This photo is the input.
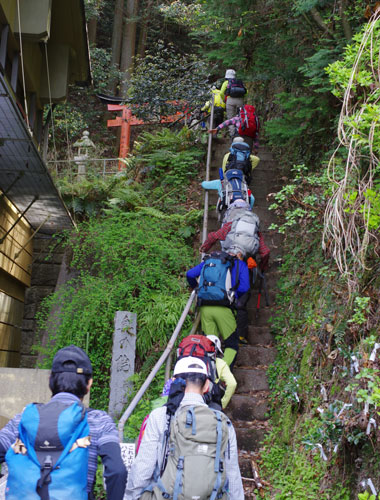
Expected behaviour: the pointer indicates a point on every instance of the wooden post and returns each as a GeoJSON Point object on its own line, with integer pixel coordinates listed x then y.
{"type": "Point", "coordinates": [127, 119]}
{"type": "Point", "coordinates": [124, 121]}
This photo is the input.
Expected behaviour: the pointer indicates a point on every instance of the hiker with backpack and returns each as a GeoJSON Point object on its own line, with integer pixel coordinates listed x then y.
{"type": "Point", "coordinates": [223, 279]}
{"type": "Point", "coordinates": [250, 240]}
{"type": "Point", "coordinates": [239, 157]}
{"type": "Point", "coordinates": [219, 107]}
{"type": "Point", "coordinates": [191, 453]}
{"type": "Point", "coordinates": [224, 375]}
{"type": "Point", "coordinates": [209, 349]}
{"type": "Point", "coordinates": [234, 92]}
{"type": "Point", "coordinates": [240, 232]}
{"type": "Point", "coordinates": [53, 448]}
{"type": "Point", "coordinates": [217, 185]}
{"type": "Point", "coordinates": [246, 124]}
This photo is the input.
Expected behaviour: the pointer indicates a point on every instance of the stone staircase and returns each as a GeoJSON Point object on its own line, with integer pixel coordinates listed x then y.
{"type": "Point", "coordinates": [248, 408]}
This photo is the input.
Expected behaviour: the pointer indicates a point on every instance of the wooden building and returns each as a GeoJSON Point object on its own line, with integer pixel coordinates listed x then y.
{"type": "Point", "coordinates": [43, 49]}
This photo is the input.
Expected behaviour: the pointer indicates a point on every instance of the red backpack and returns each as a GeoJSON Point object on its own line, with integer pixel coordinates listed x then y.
{"type": "Point", "coordinates": [200, 347]}
{"type": "Point", "coordinates": [249, 121]}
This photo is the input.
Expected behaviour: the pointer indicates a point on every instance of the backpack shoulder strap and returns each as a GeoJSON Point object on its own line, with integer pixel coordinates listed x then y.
{"type": "Point", "coordinates": [217, 464]}
{"type": "Point", "coordinates": [237, 282]}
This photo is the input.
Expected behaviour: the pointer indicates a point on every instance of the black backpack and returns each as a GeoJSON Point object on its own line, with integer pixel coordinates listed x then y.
{"type": "Point", "coordinates": [235, 88]}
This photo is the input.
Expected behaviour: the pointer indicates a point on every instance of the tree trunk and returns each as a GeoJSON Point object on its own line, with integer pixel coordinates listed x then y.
{"type": "Point", "coordinates": [128, 43]}
{"type": "Point", "coordinates": [92, 26]}
{"type": "Point", "coordinates": [319, 20]}
{"type": "Point", "coordinates": [144, 29]}
{"type": "Point", "coordinates": [345, 22]}
{"type": "Point", "coordinates": [117, 31]}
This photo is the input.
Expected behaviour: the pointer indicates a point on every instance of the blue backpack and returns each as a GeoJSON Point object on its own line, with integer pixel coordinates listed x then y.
{"type": "Point", "coordinates": [49, 460]}
{"type": "Point", "coordinates": [234, 187]}
{"type": "Point", "coordinates": [239, 159]}
{"type": "Point", "coordinates": [215, 287]}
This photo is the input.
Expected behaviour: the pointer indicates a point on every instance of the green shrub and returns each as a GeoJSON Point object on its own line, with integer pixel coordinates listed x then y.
{"type": "Point", "coordinates": [126, 262]}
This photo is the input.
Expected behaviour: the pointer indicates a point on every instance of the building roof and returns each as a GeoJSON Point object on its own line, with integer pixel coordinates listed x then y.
{"type": "Point", "coordinates": [20, 159]}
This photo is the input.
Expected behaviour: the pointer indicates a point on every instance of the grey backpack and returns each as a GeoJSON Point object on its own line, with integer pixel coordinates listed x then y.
{"type": "Point", "coordinates": [243, 235]}
{"type": "Point", "coordinates": [195, 467]}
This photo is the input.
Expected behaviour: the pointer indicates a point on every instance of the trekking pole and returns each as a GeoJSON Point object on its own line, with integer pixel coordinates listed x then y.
{"type": "Point", "coordinates": [265, 289]}
{"type": "Point", "coordinates": [259, 298]}
{"type": "Point", "coordinates": [262, 283]}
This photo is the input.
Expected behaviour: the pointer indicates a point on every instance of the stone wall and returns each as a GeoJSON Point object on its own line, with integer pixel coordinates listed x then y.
{"type": "Point", "coordinates": [47, 260]}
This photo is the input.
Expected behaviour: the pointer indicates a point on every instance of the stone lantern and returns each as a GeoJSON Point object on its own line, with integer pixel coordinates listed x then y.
{"type": "Point", "coordinates": [83, 145]}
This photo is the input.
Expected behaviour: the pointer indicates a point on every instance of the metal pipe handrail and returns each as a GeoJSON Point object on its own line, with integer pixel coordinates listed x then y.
{"type": "Point", "coordinates": [208, 161]}
{"type": "Point", "coordinates": [156, 367]}
{"type": "Point", "coordinates": [132, 405]}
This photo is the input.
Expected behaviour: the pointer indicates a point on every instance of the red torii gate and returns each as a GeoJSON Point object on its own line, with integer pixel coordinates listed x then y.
{"type": "Point", "coordinates": [127, 119]}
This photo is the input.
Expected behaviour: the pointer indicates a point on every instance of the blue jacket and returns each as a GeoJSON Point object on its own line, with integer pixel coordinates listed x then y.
{"type": "Point", "coordinates": [193, 273]}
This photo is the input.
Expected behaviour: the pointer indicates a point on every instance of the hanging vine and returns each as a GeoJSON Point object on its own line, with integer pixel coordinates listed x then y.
{"type": "Point", "coordinates": [351, 220]}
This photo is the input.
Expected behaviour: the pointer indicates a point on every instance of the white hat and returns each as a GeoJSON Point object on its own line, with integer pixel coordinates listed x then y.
{"type": "Point", "coordinates": [238, 139]}
{"type": "Point", "coordinates": [230, 73]}
{"type": "Point", "coordinates": [190, 364]}
{"type": "Point", "coordinates": [216, 341]}
{"type": "Point", "coordinates": [240, 203]}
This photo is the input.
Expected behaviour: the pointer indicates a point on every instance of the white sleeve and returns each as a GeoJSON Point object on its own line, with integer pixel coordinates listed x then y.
{"type": "Point", "coordinates": [142, 470]}
{"type": "Point", "coordinates": [232, 468]}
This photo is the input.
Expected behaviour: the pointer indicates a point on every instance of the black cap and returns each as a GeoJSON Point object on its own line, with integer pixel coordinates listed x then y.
{"type": "Point", "coordinates": [75, 355]}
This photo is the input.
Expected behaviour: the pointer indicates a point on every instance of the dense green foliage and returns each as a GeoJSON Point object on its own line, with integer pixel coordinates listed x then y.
{"type": "Point", "coordinates": [352, 219]}
{"type": "Point", "coordinates": [159, 173]}
{"type": "Point", "coordinates": [128, 263]}
{"type": "Point", "coordinates": [131, 254]}
{"type": "Point", "coordinates": [281, 48]}
{"type": "Point", "coordinates": [162, 77]}
{"type": "Point", "coordinates": [325, 388]}
{"type": "Point", "coordinates": [318, 392]}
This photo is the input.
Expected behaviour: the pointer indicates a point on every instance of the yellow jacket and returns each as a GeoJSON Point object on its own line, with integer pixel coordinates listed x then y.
{"type": "Point", "coordinates": [223, 88]}
{"type": "Point", "coordinates": [218, 101]}
{"type": "Point", "coordinates": [225, 375]}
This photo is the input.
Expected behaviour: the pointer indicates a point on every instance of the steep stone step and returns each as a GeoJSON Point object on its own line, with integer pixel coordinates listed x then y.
{"type": "Point", "coordinates": [261, 172]}
{"type": "Point", "coordinates": [247, 408]}
{"type": "Point", "coordinates": [272, 238]}
{"type": "Point", "coordinates": [271, 276]}
{"type": "Point", "coordinates": [249, 439]}
{"type": "Point", "coordinates": [264, 214]}
{"type": "Point", "coordinates": [260, 335]}
{"type": "Point", "coordinates": [251, 380]}
{"type": "Point", "coordinates": [258, 186]}
{"type": "Point", "coordinates": [268, 163]}
{"type": "Point", "coordinates": [251, 307]}
{"type": "Point", "coordinates": [253, 356]}
{"type": "Point", "coordinates": [265, 154]}
{"type": "Point", "coordinates": [260, 198]}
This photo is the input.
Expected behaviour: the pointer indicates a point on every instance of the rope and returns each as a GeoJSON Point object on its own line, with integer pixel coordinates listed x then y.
{"type": "Point", "coordinates": [22, 66]}
{"type": "Point", "coordinates": [50, 101]}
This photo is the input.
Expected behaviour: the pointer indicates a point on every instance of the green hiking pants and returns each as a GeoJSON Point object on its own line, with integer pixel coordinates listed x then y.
{"type": "Point", "coordinates": [220, 321]}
